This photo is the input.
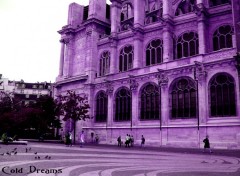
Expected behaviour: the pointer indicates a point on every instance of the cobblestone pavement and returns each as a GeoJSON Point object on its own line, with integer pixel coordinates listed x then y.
{"type": "Point", "coordinates": [59, 160]}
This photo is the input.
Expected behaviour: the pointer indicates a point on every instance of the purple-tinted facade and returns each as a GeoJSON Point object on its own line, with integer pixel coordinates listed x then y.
{"type": "Point", "coordinates": [161, 68]}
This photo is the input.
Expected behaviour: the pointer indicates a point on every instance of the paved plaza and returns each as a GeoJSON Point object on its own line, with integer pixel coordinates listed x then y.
{"type": "Point", "coordinates": [41, 159]}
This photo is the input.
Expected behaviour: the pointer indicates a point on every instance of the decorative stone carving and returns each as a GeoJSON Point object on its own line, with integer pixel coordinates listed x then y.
{"type": "Point", "coordinates": [199, 71]}
{"type": "Point", "coordinates": [133, 83]}
{"type": "Point", "coordinates": [162, 78]}
{"type": "Point", "coordinates": [109, 87]}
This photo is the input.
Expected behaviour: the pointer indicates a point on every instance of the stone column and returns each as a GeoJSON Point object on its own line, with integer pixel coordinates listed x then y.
{"type": "Point", "coordinates": [202, 28]}
{"type": "Point", "coordinates": [202, 104]}
{"type": "Point", "coordinates": [61, 58]}
{"type": "Point", "coordinates": [163, 85]}
{"type": "Point", "coordinates": [66, 59]}
{"type": "Point", "coordinates": [110, 117]}
{"type": "Point", "coordinates": [114, 57]}
{"type": "Point", "coordinates": [70, 58]}
{"type": "Point", "coordinates": [139, 17]}
{"type": "Point", "coordinates": [167, 34]}
{"type": "Point", "coordinates": [139, 13]}
{"type": "Point", "coordinates": [135, 109]}
{"type": "Point", "coordinates": [115, 16]}
{"type": "Point", "coordinates": [167, 44]}
{"type": "Point", "coordinates": [236, 22]}
{"type": "Point", "coordinates": [138, 47]}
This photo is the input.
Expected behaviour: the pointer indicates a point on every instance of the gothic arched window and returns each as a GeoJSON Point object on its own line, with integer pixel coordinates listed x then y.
{"type": "Point", "coordinates": [187, 45]}
{"type": "Point", "coordinates": [126, 58]}
{"type": "Point", "coordinates": [104, 63]}
{"type": "Point", "coordinates": [222, 95]}
{"type": "Point", "coordinates": [218, 2]}
{"type": "Point", "coordinates": [222, 38]}
{"type": "Point", "coordinates": [185, 6]}
{"type": "Point", "coordinates": [101, 107]}
{"type": "Point", "coordinates": [183, 98]}
{"type": "Point", "coordinates": [150, 102]}
{"type": "Point", "coordinates": [123, 103]}
{"type": "Point", "coordinates": [154, 11]}
{"type": "Point", "coordinates": [126, 17]}
{"type": "Point", "coordinates": [154, 52]}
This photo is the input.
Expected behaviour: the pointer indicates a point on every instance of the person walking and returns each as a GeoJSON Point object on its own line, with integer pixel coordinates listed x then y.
{"type": "Point", "coordinates": [127, 142]}
{"type": "Point", "coordinates": [96, 139]}
{"type": "Point", "coordinates": [81, 137]}
{"type": "Point", "coordinates": [70, 139]}
{"type": "Point", "coordinates": [119, 140]}
{"type": "Point", "coordinates": [142, 141]}
{"type": "Point", "coordinates": [132, 140]}
{"type": "Point", "coordinates": [207, 144]}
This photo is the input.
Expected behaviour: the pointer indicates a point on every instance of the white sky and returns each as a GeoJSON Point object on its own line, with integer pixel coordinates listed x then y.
{"type": "Point", "coordinates": [29, 42]}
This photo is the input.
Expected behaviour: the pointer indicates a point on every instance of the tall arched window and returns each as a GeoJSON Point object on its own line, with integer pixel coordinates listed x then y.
{"type": "Point", "coordinates": [222, 37]}
{"type": "Point", "coordinates": [126, 58]}
{"type": "Point", "coordinates": [154, 11]}
{"type": "Point", "coordinates": [185, 6]}
{"type": "Point", "coordinates": [218, 2]}
{"type": "Point", "coordinates": [187, 45]}
{"type": "Point", "coordinates": [123, 103]}
{"type": "Point", "coordinates": [154, 52]}
{"type": "Point", "coordinates": [222, 95]}
{"type": "Point", "coordinates": [126, 17]}
{"type": "Point", "coordinates": [183, 98]}
{"type": "Point", "coordinates": [104, 63]}
{"type": "Point", "coordinates": [150, 102]}
{"type": "Point", "coordinates": [101, 107]}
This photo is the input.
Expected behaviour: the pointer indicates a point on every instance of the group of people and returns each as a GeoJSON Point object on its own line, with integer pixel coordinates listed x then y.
{"type": "Point", "coordinates": [129, 141]}
{"type": "Point", "coordinates": [81, 137]}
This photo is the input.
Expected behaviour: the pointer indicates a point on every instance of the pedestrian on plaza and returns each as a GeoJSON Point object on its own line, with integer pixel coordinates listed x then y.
{"type": "Point", "coordinates": [92, 135]}
{"type": "Point", "coordinates": [81, 137]}
{"type": "Point", "coordinates": [132, 140]}
{"type": "Point", "coordinates": [70, 139]}
{"type": "Point", "coordinates": [127, 141]}
{"type": "Point", "coordinates": [96, 139]}
{"type": "Point", "coordinates": [62, 135]}
{"type": "Point", "coordinates": [207, 144]}
{"type": "Point", "coordinates": [67, 139]}
{"type": "Point", "coordinates": [142, 141]}
{"type": "Point", "coordinates": [119, 140]}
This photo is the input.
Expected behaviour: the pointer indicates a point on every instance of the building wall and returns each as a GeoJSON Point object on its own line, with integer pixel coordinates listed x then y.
{"type": "Point", "coordinates": [79, 71]}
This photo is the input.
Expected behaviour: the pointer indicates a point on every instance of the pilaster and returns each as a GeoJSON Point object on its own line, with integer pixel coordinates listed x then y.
{"type": "Point", "coordinates": [109, 91]}
{"type": "Point", "coordinates": [135, 109]}
{"type": "Point", "coordinates": [61, 57]}
{"type": "Point", "coordinates": [139, 13]}
{"type": "Point", "coordinates": [202, 28]}
{"type": "Point", "coordinates": [167, 9]}
{"type": "Point", "coordinates": [236, 22]}
{"type": "Point", "coordinates": [167, 43]}
{"type": "Point", "coordinates": [138, 47]}
{"type": "Point", "coordinates": [66, 59]}
{"type": "Point", "coordinates": [114, 58]}
{"type": "Point", "coordinates": [91, 51]}
{"type": "Point", "coordinates": [167, 34]}
{"type": "Point", "coordinates": [115, 16]}
{"type": "Point", "coordinates": [97, 9]}
{"type": "Point", "coordinates": [200, 78]}
{"type": "Point", "coordinates": [163, 85]}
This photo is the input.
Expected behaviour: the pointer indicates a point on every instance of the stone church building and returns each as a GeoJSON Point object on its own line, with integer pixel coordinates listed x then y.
{"type": "Point", "coordinates": [165, 69]}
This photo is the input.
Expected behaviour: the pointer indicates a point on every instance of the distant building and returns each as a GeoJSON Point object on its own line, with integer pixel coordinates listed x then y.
{"type": "Point", "coordinates": [29, 92]}
{"type": "Point", "coordinates": [161, 68]}
{"type": "Point", "coordinates": [25, 92]}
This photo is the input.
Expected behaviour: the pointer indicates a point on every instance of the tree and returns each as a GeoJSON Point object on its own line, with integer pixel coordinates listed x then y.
{"type": "Point", "coordinates": [74, 107]}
